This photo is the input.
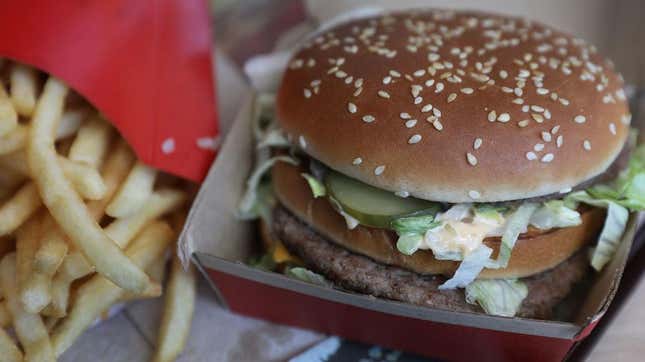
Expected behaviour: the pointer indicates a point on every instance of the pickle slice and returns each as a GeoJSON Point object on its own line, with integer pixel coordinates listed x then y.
{"type": "Point", "coordinates": [372, 206]}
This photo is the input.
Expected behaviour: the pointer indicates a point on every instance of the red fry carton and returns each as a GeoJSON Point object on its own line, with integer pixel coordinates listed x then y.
{"type": "Point", "coordinates": [220, 244]}
{"type": "Point", "coordinates": [146, 65]}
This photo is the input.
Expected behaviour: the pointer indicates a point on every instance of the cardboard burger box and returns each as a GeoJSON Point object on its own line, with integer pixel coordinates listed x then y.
{"type": "Point", "coordinates": [221, 244]}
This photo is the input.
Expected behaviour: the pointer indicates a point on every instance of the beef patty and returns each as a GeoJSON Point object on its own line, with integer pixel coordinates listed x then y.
{"type": "Point", "coordinates": [361, 274]}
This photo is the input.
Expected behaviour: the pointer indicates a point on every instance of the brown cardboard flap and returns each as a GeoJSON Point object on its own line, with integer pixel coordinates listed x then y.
{"type": "Point", "coordinates": [220, 241]}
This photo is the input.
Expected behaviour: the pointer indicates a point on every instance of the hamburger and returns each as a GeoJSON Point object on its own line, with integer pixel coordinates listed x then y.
{"type": "Point", "coordinates": [451, 159]}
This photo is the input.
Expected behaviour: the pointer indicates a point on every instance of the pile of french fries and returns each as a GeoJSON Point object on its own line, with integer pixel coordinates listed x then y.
{"type": "Point", "coordinates": [84, 225]}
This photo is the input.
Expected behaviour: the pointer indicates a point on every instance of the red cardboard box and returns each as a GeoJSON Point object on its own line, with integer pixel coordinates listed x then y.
{"type": "Point", "coordinates": [146, 65]}
{"type": "Point", "coordinates": [220, 244]}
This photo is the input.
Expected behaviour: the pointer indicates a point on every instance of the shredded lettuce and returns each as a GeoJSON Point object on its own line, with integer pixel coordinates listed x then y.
{"type": "Point", "coordinates": [490, 211]}
{"type": "Point", "coordinates": [555, 214]}
{"type": "Point", "coordinates": [613, 229]}
{"type": "Point", "coordinates": [248, 207]}
{"type": "Point", "coordinates": [502, 297]}
{"type": "Point", "coordinates": [306, 275]}
{"type": "Point", "coordinates": [469, 268]}
{"type": "Point", "coordinates": [273, 138]}
{"type": "Point", "coordinates": [517, 223]}
{"type": "Point", "coordinates": [318, 189]}
{"type": "Point", "coordinates": [411, 231]}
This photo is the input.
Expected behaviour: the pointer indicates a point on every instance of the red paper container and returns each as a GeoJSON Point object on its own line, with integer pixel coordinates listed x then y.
{"type": "Point", "coordinates": [220, 244]}
{"type": "Point", "coordinates": [146, 65]}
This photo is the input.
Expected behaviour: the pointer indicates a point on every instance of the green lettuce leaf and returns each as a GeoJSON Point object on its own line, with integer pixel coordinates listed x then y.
{"type": "Point", "coordinates": [411, 231]}
{"type": "Point", "coordinates": [318, 189]}
{"type": "Point", "coordinates": [408, 244]}
{"type": "Point", "coordinates": [555, 214]}
{"type": "Point", "coordinates": [517, 223]}
{"type": "Point", "coordinates": [469, 268]}
{"type": "Point", "coordinates": [502, 297]}
{"type": "Point", "coordinates": [248, 207]}
{"type": "Point", "coordinates": [306, 275]}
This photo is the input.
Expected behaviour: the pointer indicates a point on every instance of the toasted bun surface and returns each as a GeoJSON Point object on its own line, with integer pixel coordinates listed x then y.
{"type": "Point", "coordinates": [533, 253]}
{"type": "Point", "coordinates": [455, 106]}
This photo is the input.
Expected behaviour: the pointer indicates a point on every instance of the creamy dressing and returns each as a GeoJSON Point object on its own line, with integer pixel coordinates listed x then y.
{"type": "Point", "coordinates": [460, 233]}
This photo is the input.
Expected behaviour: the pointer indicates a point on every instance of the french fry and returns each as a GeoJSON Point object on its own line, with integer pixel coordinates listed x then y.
{"type": "Point", "coordinates": [26, 246]}
{"type": "Point", "coordinates": [91, 142]}
{"type": "Point", "coordinates": [134, 192]}
{"type": "Point", "coordinates": [63, 202]}
{"type": "Point", "coordinates": [8, 349]}
{"type": "Point", "coordinates": [97, 294]}
{"type": "Point", "coordinates": [14, 140]}
{"type": "Point", "coordinates": [8, 115]}
{"type": "Point", "coordinates": [178, 313]}
{"type": "Point", "coordinates": [19, 208]}
{"type": "Point", "coordinates": [85, 179]}
{"type": "Point", "coordinates": [23, 89]}
{"type": "Point", "coordinates": [70, 122]}
{"type": "Point", "coordinates": [35, 294]}
{"type": "Point", "coordinates": [121, 231]}
{"type": "Point", "coordinates": [29, 328]}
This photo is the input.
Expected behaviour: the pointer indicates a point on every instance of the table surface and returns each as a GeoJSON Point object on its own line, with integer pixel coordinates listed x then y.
{"type": "Point", "coordinates": [218, 335]}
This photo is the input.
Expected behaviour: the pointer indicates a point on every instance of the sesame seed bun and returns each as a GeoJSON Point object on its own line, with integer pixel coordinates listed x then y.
{"type": "Point", "coordinates": [455, 106]}
{"type": "Point", "coordinates": [533, 253]}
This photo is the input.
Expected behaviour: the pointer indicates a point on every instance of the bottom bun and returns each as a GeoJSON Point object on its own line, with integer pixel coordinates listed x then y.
{"type": "Point", "coordinates": [533, 253]}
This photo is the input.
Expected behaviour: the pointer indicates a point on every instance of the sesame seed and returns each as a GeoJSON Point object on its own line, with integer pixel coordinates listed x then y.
{"type": "Point", "coordinates": [368, 119]}
{"type": "Point", "coordinates": [383, 94]}
{"type": "Point", "coordinates": [538, 147]}
{"type": "Point", "coordinates": [436, 112]}
{"type": "Point", "coordinates": [518, 92]}
{"type": "Point", "coordinates": [524, 73]}
{"type": "Point", "coordinates": [418, 100]}
{"type": "Point", "coordinates": [426, 108]}
{"type": "Point", "coordinates": [564, 102]}
{"type": "Point", "coordinates": [587, 145]}
{"type": "Point", "coordinates": [525, 108]}
{"type": "Point", "coordinates": [405, 115]}
{"type": "Point", "coordinates": [523, 123]}
{"type": "Point", "coordinates": [504, 117]}
{"type": "Point", "coordinates": [379, 170]}
{"type": "Point", "coordinates": [302, 141]}
{"type": "Point", "coordinates": [433, 57]}
{"type": "Point", "coordinates": [547, 158]}
{"type": "Point", "coordinates": [439, 87]}
{"type": "Point", "coordinates": [351, 107]}
{"type": "Point", "coordinates": [419, 73]}
{"type": "Point", "coordinates": [612, 128]}
{"type": "Point", "coordinates": [414, 139]}
{"type": "Point", "coordinates": [452, 97]}
{"type": "Point", "coordinates": [565, 190]}
{"type": "Point", "coordinates": [307, 93]}
{"type": "Point", "coordinates": [538, 109]}
{"type": "Point", "coordinates": [429, 82]}
{"type": "Point", "coordinates": [340, 74]}
{"type": "Point", "coordinates": [415, 89]}
{"type": "Point", "coordinates": [349, 80]}
{"type": "Point", "coordinates": [546, 136]}
{"type": "Point", "coordinates": [474, 194]}
{"type": "Point", "coordinates": [394, 73]}
{"type": "Point", "coordinates": [478, 143]}
{"type": "Point", "coordinates": [580, 119]}
{"type": "Point", "coordinates": [547, 114]}
{"type": "Point", "coordinates": [531, 156]}
{"type": "Point", "coordinates": [537, 117]}
{"type": "Point", "coordinates": [411, 123]}
{"type": "Point", "coordinates": [437, 125]}
{"type": "Point", "coordinates": [358, 83]}
{"type": "Point", "coordinates": [503, 74]}
{"type": "Point", "coordinates": [387, 80]}
{"type": "Point", "coordinates": [555, 129]}
{"type": "Point", "coordinates": [467, 90]}
{"type": "Point", "coordinates": [542, 91]}
{"type": "Point", "coordinates": [472, 160]}
{"type": "Point", "coordinates": [315, 82]}
{"type": "Point", "coordinates": [559, 141]}
{"type": "Point", "coordinates": [357, 161]}
{"type": "Point", "coordinates": [403, 194]}
{"type": "Point", "coordinates": [358, 91]}
{"type": "Point", "coordinates": [507, 90]}
{"type": "Point", "coordinates": [626, 119]}
{"type": "Point", "coordinates": [518, 101]}
{"type": "Point", "coordinates": [492, 116]}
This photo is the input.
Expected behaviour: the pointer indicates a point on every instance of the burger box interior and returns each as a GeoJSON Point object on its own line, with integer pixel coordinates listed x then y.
{"type": "Point", "coordinates": [221, 244]}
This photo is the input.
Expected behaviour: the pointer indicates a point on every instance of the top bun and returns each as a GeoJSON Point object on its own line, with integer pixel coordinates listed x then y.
{"type": "Point", "coordinates": [455, 106]}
